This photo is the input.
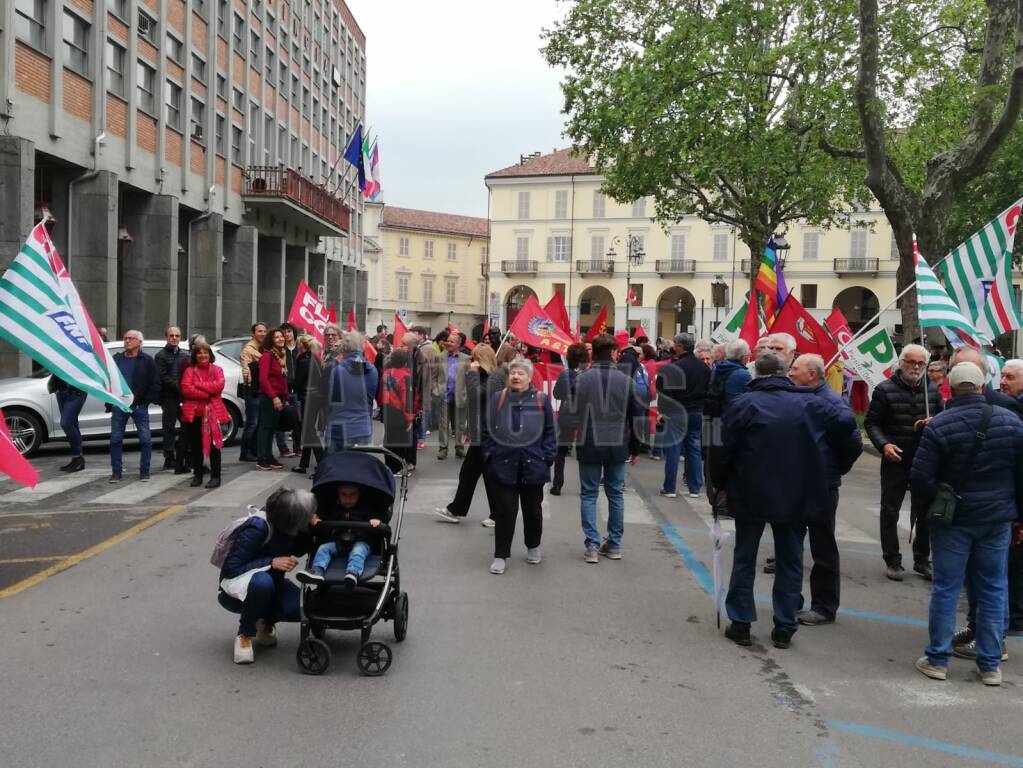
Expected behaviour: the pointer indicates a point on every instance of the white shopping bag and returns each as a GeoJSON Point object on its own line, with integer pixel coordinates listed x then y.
{"type": "Point", "coordinates": [238, 587]}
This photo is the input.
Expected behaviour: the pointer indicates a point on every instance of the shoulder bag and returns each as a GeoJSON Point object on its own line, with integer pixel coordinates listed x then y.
{"type": "Point", "coordinates": [942, 509]}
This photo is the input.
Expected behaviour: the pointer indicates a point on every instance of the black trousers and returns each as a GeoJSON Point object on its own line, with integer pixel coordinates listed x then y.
{"type": "Point", "coordinates": [1016, 588]}
{"type": "Point", "coordinates": [506, 510]}
{"type": "Point", "coordinates": [175, 443]}
{"type": "Point", "coordinates": [559, 465]}
{"type": "Point", "coordinates": [894, 484]}
{"type": "Point", "coordinates": [468, 477]}
{"type": "Point", "coordinates": [195, 447]}
{"type": "Point", "coordinates": [825, 580]}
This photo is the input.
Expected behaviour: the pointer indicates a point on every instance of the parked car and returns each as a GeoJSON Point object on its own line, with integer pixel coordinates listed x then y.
{"type": "Point", "coordinates": [33, 417]}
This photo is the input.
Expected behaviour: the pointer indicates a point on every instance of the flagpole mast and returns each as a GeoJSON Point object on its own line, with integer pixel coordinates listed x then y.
{"type": "Point", "coordinates": [927, 401]}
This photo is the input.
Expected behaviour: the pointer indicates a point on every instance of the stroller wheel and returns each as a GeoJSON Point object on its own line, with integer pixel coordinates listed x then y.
{"type": "Point", "coordinates": [374, 659]}
{"type": "Point", "coordinates": [313, 656]}
{"type": "Point", "coordinates": [401, 616]}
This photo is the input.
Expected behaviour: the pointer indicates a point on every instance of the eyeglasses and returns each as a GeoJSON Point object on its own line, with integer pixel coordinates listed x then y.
{"type": "Point", "coordinates": [328, 335]}
{"type": "Point", "coordinates": [131, 338]}
{"type": "Point", "coordinates": [915, 363]}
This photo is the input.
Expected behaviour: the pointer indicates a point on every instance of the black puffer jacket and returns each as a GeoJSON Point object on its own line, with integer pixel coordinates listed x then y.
{"type": "Point", "coordinates": [894, 409]}
{"type": "Point", "coordinates": [682, 386]}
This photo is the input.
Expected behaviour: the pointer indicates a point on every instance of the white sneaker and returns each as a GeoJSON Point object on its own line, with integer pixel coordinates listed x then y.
{"type": "Point", "coordinates": [692, 495]}
{"type": "Point", "coordinates": [266, 634]}
{"type": "Point", "coordinates": [533, 556]}
{"type": "Point", "coordinates": [243, 653]}
{"type": "Point", "coordinates": [668, 494]}
{"type": "Point", "coordinates": [444, 514]}
{"type": "Point", "coordinates": [497, 567]}
{"type": "Point", "coordinates": [488, 522]}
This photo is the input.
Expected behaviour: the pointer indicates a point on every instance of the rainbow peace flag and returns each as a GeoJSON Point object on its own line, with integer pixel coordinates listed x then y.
{"type": "Point", "coordinates": [770, 283]}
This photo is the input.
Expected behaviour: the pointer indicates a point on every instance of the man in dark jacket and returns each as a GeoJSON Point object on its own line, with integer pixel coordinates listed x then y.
{"type": "Point", "coordinates": [781, 444]}
{"type": "Point", "coordinates": [168, 361]}
{"type": "Point", "coordinates": [608, 414]}
{"type": "Point", "coordinates": [894, 419]}
{"type": "Point", "coordinates": [728, 380]}
{"type": "Point", "coordinates": [139, 371]}
{"type": "Point", "coordinates": [1012, 386]}
{"type": "Point", "coordinates": [977, 449]}
{"type": "Point", "coordinates": [808, 371]}
{"type": "Point", "coordinates": [681, 389]}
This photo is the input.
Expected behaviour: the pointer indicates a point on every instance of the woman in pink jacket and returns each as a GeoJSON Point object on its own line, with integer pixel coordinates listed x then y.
{"type": "Point", "coordinates": [203, 411]}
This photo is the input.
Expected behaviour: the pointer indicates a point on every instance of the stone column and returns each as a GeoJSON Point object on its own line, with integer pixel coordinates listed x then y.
{"type": "Point", "coordinates": [333, 281]}
{"type": "Point", "coordinates": [295, 271]}
{"type": "Point", "coordinates": [317, 270]}
{"type": "Point", "coordinates": [91, 252]}
{"type": "Point", "coordinates": [270, 281]}
{"type": "Point", "coordinates": [205, 264]}
{"type": "Point", "coordinates": [148, 264]}
{"type": "Point", "coordinates": [239, 280]}
{"type": "Point", "coordinates": [17, 191]}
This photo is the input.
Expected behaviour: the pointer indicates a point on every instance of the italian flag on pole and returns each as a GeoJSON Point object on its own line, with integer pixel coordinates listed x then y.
{"type": "Point", "coordinates": [42, 314]}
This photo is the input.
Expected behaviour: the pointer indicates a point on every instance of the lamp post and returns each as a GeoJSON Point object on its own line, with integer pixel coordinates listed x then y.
{"type": "Point", "coordinates": [634, 252]}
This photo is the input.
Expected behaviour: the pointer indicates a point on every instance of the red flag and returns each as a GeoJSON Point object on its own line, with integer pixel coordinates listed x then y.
{"type": "Point", "coordinates": [12, 463]}
{"type": "Point", "coordinates": [555, 309]}
{"type": "Point", "coordinates": [533, 326]}
{"type": "Point", "coordinates": [599, 327]}
{"type": "Point", "coordinates": [640, 332]}
{"type": "Point", "coordinates": [622, 337]}
{"type": "Point", "coordinates": [840, 330]}
{"type": "Point", "coordinates": [307, 311]}
{"type": "Point", "coordinates": [632, 298]}
{"type": "Point", "coordinates": [332, 315]}
{"type": "Point", "coordinates": [399, 329]}
{"type": "Point", "coordinates": [750, 330]}
{"type": "Point", "coordinates": [810, 337]}
{"type": "Point", "coordinates": [351, 319]}
{"type": "Point", "coordinates": [486, 327]}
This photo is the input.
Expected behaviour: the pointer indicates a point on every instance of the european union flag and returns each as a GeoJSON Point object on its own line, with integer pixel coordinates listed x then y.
{"type": "Point", "coordinates": [354, 155]}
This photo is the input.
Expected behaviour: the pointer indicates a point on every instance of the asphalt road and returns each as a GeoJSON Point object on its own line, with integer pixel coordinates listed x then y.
{"type": "Point", "coordinates": [116, 652]}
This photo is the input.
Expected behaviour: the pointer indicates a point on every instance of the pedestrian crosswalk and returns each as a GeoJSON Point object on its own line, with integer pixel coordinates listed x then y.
{"type": "Point", "coordinates": [58, 485]}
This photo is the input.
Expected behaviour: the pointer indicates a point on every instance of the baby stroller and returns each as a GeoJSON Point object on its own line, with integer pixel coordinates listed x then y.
{"type": "Point", "coordinates": [378, 593]}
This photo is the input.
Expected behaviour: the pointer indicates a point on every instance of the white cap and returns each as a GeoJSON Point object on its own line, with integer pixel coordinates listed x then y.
{"type": "Point", "coordinates": [966, 373]}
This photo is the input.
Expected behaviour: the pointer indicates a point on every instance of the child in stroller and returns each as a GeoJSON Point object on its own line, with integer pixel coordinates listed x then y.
{"type": "Point", "coordinates": [349, 543]}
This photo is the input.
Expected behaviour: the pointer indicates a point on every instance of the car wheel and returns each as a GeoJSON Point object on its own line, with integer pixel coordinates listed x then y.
{"type": "Point", "coordinates": [230, 431]}
{"type": "Point", "coordinates": [26, 430]}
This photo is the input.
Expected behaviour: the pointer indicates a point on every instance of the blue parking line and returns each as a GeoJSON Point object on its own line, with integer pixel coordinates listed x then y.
{"type": "Point", "coordinates": [998, 758]}
{"type": "Point", "coordinates": [698, 569]}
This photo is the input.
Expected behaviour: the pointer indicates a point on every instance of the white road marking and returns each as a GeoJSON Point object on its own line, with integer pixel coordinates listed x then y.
{"type": "Point", "coordinates": [245, 488]}
{"type": "Point", "coordinates": [49, 488]}
{"type": "Point", "coordinates": [134, 492]}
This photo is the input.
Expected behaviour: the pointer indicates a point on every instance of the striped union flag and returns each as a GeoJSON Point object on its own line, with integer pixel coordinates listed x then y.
{"type": "Point", "coordinates": [978, 275]}
{"type": "Point", "coordinates": [42, 314]}
{"type": "Point", "coordinates": [936, 307]}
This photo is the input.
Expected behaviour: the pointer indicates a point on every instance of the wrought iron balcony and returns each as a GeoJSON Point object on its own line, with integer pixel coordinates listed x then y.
{"type": "Point", "coordinates": [296, 199]}
{"type": "Point", "coordinates": [857, 266]}
{"type": "Point", "coordinates": [595, 267]}
{"type": "Point", "coordinates": [675, 266]}
{"type": "Point", "coordinates": [519, 267]}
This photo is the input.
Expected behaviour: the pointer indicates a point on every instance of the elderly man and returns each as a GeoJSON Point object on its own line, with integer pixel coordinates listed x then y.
{"type": "Point", "coordinates": [139, 372]}
{"type": "Point", "coordinates": [449, 387]}
{"type": "Point", "coordinates": [816, 438]}
{"type": "Point", "coordinates": [976, 450]}
{"type": "Point", "coordinates": [1012, 386]}
{"type": "Point", "coordinates": [808, 371]}
{"type": "Point", "coordinates": [251, 352]}
{"type": "Point", "coordinates": [758, 349]}
{"type": "Point", "coordinates": [728, 380]}
{"type": "Point", "coordinates": [423, 362]}
{"type": "Point", "coordinates": [894, 419]}
{"type": "Point", "coordinates": [168, 363]}
{"type": "Point", "coordinates": [783, 344]}
{"type": "Point", "coordinates": [681, 389]}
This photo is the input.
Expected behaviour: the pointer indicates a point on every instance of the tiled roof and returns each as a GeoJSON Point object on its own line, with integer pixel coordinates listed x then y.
{"type": "Point", "coordinates": [561, 162]}
{"type": "Point", "coordinates": [428, 221]}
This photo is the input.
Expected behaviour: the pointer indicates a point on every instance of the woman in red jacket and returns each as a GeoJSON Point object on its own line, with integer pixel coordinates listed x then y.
{"type": "Point", "coordinates": [273, 396]}
{"type": "Point", "coordinates": [203, 411]}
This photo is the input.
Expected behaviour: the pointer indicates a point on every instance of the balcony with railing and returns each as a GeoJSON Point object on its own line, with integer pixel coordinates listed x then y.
{"type": "Point", "coordinates": [295, 199]}
{"type": "Point", "coordinates": [519, 267]}
{"type": "Point", "coordinates": [595, 267]}
{"type": "Point", "coordinates": [675, 266]}
{"type": "Point", "coordinates": [862, 266]}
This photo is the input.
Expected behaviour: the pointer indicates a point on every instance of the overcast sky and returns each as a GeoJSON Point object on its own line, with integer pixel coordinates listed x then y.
{"type": "Point", "coordinates": [457, 89]}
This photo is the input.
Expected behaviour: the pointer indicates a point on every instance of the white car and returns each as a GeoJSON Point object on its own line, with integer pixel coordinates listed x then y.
{"type": "Point", "coordinates": [33, 417]}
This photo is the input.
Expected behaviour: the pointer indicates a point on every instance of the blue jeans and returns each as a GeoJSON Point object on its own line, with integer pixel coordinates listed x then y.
{"type": "Point", "coordinates": [70, 405]}
{"type": "Point", "coordinates": [271, 598]}
{"type": "Point", "coordinates": [614, 488]}
{"type": "Point", "coordinates": [251, 424]}
{"type": "Point", "coordinates": [356, 556]}
{"type": "Point", "coordinates": [684, 436]}
{"type": "Point", "coordinates": [788, 576]}
{"type": "Point", "coordinates": [118, 421]}
{"type": "Point", "coordinates": [980, 553]}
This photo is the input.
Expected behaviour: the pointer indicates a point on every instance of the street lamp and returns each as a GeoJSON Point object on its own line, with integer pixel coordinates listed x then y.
{"type": "Point", "coordinates": [634, 251]}
{"type": "Point", "coordinates": [781, 245]}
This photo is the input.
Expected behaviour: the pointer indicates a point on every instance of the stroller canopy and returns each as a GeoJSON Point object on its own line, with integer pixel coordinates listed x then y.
{"type": "Point", "coordinates": [365, 470]}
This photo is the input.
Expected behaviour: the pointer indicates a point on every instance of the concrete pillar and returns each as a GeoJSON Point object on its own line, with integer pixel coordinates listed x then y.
{"type": "Point", "coordinates": [205, 264]}
{"type": "Point", "coordinates": [239, 280]}
{"type": "Point", "coordinates": [91, 253]}
{"type": "Point", "coordinates": [361, 299]}
{"type": "Point", "coordinates": [17, 191]}
{"type": "Point", "coordinates": [317, 269]}
{"type": "Point", "coordinates": [348, 292]}
{"type": "Point", "coordinates": [147, 265]}
{"type": "Point", "coordinates": [296, 269]}
{"type": "Point", "coordinates": [270, 281]}
{"type": "Point", "coordinates": [333, 282]}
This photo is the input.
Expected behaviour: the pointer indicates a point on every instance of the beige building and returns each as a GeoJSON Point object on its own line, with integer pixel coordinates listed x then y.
{"type": "Point", "coordinates": [551, 229]}
{"type": "Point", "coordinates": [426, 266]}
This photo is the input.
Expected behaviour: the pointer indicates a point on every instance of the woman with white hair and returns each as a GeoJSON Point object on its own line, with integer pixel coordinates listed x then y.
{"type": "Point", "coordinates": [519, 446]}
{"type": "Point", "coordinates": [353, 389]}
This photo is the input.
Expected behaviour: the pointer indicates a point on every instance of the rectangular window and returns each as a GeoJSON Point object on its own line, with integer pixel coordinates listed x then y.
{"type": "Point", "coordinates": [172, 94]}
{"type": "Point", "coordinates": [597, 248]}
{"type": "Point", "coordinates": [199, 68]}
{"type": "Point", "coordinates": [428, 249]}
{"type": "Point", "coordinates": [720, 246]}
{"type": "Point", "coordinates": [238, 100]}
{"type": "Point", "coordinates": [271, 64]}
{"type": "Point", "coordinates": [236, 142]}
{"type": "Point", "coordinates": [222, 17]}
{"type": "Point", "coordinates": [115, 68]}
{"type": "Point", "coordinates": [236, 34]}
{"type": "Point", "coordinates": [118, 7]}
{"type": "Point", "coordinates": [521, 248]}
{"type": "Point", "coordinates": [282, 80]}
{"type": "Point", "coordinates": [30, 22]}
{"type": "Point", "coordinates": [811, 246]}
{"type": "Point", "coordinates": [402, 287]}
{"type": "Point", "coordinates": [219, 124]}
{"type": "Point", "coordinates": [76, 44]}
{"type": "Point", "coordinates": [858, 244]}
{"type": "Point", "coordinates": [199, 6]}
{"type": "Point", "coordinates": [639, 208]}
{"type": "Point", "coordinates": [197, 119]}
{"type": "Point", "coordinates": [561, 204]}
{"type": "Point", "coordinates": [294, 89]}
{"type": "Point", "coordinates": [145, 83]}
{"type": "Point", "coordinates": [483, 296]}
{"type": "Point", "coordinates": [253, 128]}
{"type": "Point", "coordinates": [523, 205]}
{"type": "Point", "coordinates": [403, 246]}
{"type": "Point", "coordinates": [174, 50]}
{"type": "Point", "coordinates": [268, 139]}
{"type": "Point", "coordinates": [678, 247]}
{"type": "Point", "coordinates": [599, 205]}
{"type": "Point", "coordinates": [254, 49]}
{"type": "Point", "coordinates": [452, 252]}
{"type": "Point", "coordinates": [484, 252]}
{"type": "Point", "coordinates": [808, 295]}
{"type": "Point", "coordinates": [427, 291]}
{"type": "Point", "coordinates": [451, 290]}
{"type": "Point", "coordinates": [147, 27]}
{"type": "Point", "coordinates": [559, 248]}
{"type": "Point", "coordinates": [638, 248]}
{"type": "Point", "coordinates": [222, 87]}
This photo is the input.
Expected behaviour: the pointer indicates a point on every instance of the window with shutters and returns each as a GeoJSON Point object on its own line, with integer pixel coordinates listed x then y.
{"type": "Point", "coordinates": [678, 248]}
{"type": "Point", "coordinates": [597, 248]}
{"type": "Point", "coordinates": [559, 248]}
{"type": "Point", "coordinates": [858, 244]}
{"type": "Point", "coordinates": [521, 249]}
{"type": "Point", "coordinates": [599, 205]}
{"type": "Point", "coordinates": [808, 295]}
{"type": "Point", "coordinates": [523, 205]}
{"type": "Point", "coordinates": [720, 246]}
{"type": "Point", "coordinates": [403, 287]}
{"type": "Point", "coordinates": [811, 246]}
{"type": "Point", "coordinates": [427, 290]}
{"type": "Point", "coordinates": [450, 290]}
{"type": "Point", "coordinates": [403, 246]}
{"type": "Point", "coordinates": [639, 208]}
{"type": "Point", "coordinates": [428, 249]}
{"type": "Point", "coordinates": [452, 252]}
{"type": "Point", "coordinates": [561, 204]}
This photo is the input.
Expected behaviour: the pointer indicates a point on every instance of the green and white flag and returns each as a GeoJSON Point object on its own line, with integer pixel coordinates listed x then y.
{"type": "Point", "coordinates": [728, 329]}
{"type": "Point", "coordinates": [42, 314]}
{"type": "Point", "coordinates": [937, 310]}
{"type": "Point", "coordinates": [978, 275]}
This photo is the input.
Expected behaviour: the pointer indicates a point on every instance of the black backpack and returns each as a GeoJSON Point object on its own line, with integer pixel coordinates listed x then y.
{"type": "Point", "coordinates": [714, 404]}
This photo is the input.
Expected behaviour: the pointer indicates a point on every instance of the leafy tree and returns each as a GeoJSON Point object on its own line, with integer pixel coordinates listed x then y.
{"type": "Point", "coordinates": [713, 107]}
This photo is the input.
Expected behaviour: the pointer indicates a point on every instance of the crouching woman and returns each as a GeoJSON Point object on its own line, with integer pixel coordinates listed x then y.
{"type": "Point", "coordinates": [252, 581]}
